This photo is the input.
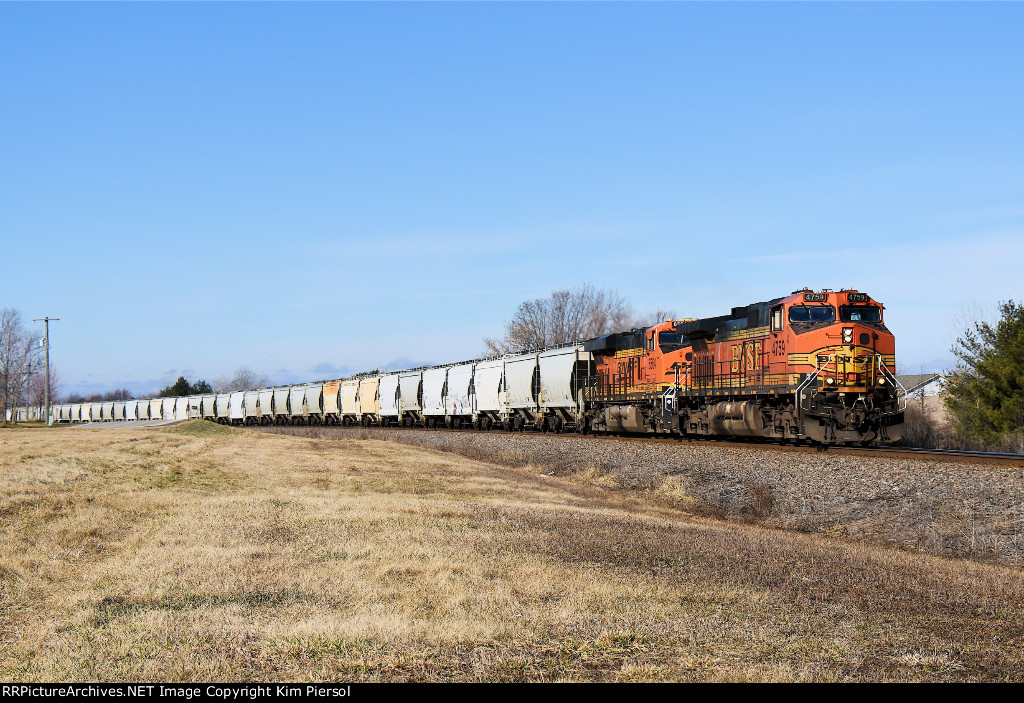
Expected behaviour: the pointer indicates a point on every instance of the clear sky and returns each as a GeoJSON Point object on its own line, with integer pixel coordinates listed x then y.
{"type": "Point", "coordinates": [309, 188]}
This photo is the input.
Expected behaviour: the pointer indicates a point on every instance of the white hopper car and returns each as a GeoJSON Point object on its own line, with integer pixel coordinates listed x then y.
{"type": "Point", "coordinates": [541, 389]}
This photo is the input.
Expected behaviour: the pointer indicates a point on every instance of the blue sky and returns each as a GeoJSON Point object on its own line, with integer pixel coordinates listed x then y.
{"type": "Point", "coordinates": [308, 188]}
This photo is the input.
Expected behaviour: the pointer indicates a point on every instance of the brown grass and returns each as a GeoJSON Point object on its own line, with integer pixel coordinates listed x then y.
{"type": "Point", "coordinates": [201, 552]}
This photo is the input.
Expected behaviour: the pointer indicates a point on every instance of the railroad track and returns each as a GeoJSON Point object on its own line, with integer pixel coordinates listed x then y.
{"type": "Point", "coordinates": [947, 455]}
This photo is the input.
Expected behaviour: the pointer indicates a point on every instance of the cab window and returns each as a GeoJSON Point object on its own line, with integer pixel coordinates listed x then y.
{"type": "Point", "coordinates": [777, 319]}
{"type": "Point", "coordinates": [812, 313]}
{"type": "Point", "coordinates": [669, 338]}
{"type": "Point", "coordinates": [860, 313]}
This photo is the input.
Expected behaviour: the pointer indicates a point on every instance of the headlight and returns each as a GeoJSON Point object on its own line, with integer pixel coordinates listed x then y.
{"type": "Point", "coordinates": [830, 381]}
{"type": "Point", "coordinates": [881, 381]}
{"type": "Point", "coordinates": [847, 335]}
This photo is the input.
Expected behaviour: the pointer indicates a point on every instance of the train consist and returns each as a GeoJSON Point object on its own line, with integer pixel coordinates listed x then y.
{"type": "Point", "coordinates": [813, 365]}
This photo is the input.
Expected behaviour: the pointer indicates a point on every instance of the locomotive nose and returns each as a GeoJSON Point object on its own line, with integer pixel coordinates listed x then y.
{"type": "Point", "coordinates": [851, 363]}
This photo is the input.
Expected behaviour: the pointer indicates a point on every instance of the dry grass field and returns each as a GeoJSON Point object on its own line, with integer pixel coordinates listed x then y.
{"type": "Point", "coordinates": [201, 552]}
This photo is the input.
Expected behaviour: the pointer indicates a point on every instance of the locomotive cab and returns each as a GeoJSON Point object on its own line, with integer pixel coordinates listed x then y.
{"type": "Point", "coordinates": [848, 391]}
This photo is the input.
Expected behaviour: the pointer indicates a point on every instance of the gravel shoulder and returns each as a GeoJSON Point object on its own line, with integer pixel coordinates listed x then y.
{"type": "Point", "coordinates": [937, 507]}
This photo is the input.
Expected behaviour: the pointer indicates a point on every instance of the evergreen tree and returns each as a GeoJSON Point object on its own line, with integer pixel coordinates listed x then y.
{"type": "Point", "coordinates": [182, 387]}
{"type": "Point", "coordinates": [985, 394]}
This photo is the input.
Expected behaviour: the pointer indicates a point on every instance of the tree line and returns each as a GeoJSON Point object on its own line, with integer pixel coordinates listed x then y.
{"type": "Point", "coordinates": [22, 364]}
{"type": "Point", "coordinates": [244, 378]}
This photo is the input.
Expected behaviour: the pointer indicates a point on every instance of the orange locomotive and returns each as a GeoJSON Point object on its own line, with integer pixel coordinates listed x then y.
{"type": "Point", "coordinates": [813, 365]}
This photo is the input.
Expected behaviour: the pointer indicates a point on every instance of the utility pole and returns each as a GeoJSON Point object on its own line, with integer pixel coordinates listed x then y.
{"type": "Point", "coordinates": [46, 342]}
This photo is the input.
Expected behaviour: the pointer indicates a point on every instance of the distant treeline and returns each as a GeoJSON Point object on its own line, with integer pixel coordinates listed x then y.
{"type": "Point", "coordinates": [119, 394]}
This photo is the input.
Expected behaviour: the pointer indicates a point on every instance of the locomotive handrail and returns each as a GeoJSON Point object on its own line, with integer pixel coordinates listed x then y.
{"type": "Point", "coordinates": [900, 389]}
{"type": "Point", "coordinates": [810, 379]}
{"type": "Point", "coordinates": [668, 402]}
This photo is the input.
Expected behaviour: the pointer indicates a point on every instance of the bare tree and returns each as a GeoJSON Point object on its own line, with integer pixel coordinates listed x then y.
{"type": "Point", "coordinates": [565, 316]}
{"type": "Point", "coordinates": [244, 379]}
{"type": "Point", "coordinates": [17, 360]}
{"type": "Point", "coordinates": [653, 318]}
{"type": "Point", "coordinates": [37, 389]}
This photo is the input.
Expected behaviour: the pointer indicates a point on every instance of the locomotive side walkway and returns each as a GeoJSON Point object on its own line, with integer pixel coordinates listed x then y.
{"type": "Point", "coordinates": [205, 552]}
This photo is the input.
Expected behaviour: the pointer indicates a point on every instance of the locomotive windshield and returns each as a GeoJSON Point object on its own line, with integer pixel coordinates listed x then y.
{"type": "Point", "coordinates": [812, 313]}
{"type": "Point", "coordinates": [860, 313]}
{"type": "Point", "coordinates": [669, 338]}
